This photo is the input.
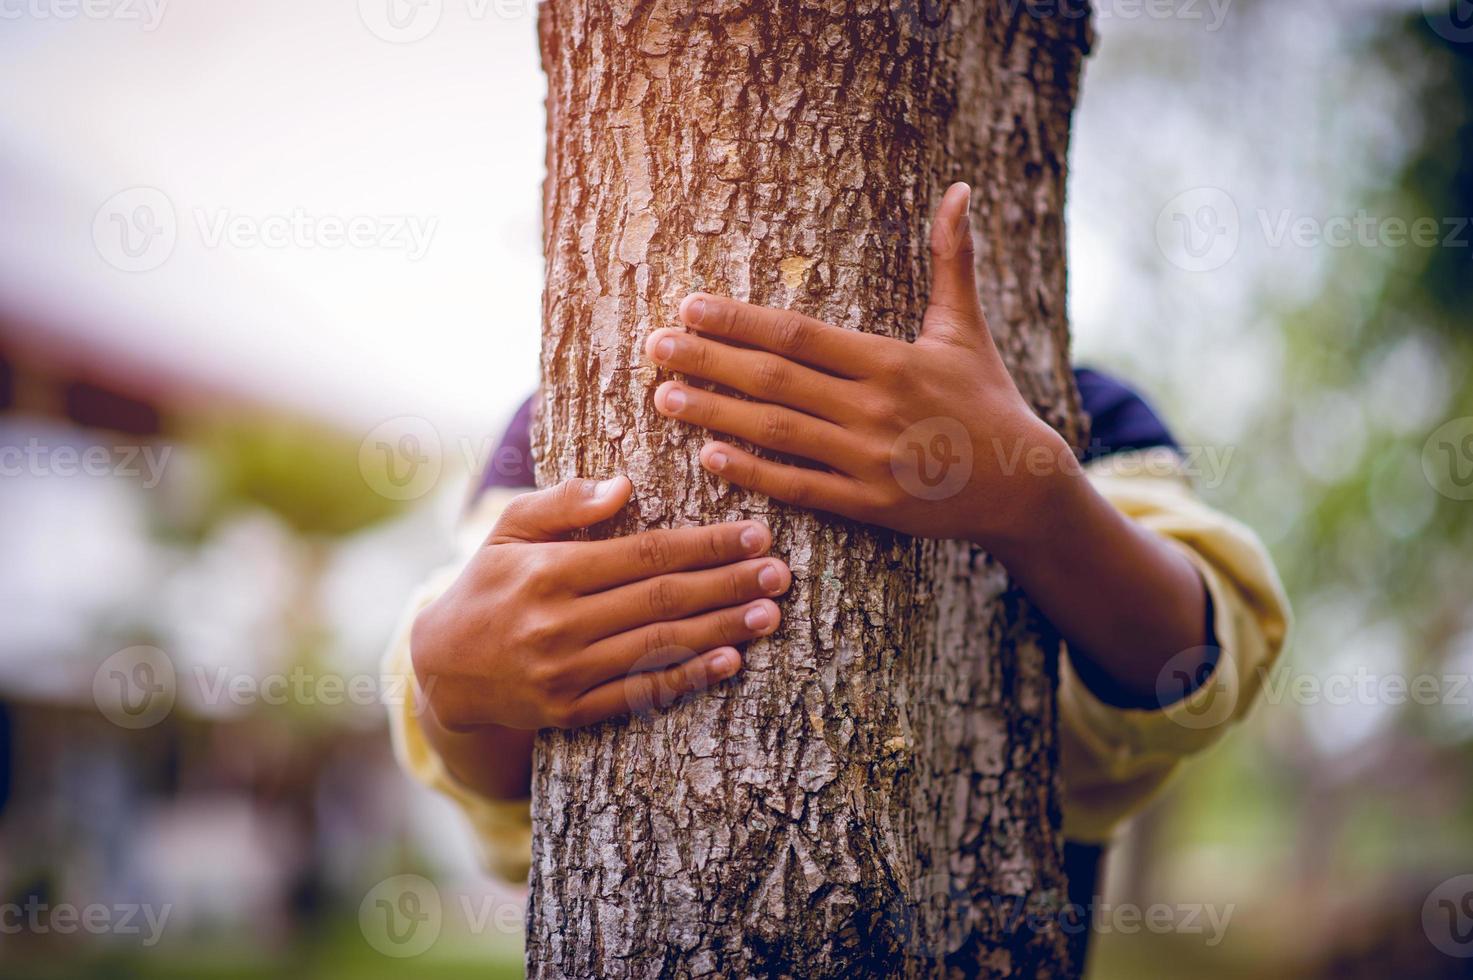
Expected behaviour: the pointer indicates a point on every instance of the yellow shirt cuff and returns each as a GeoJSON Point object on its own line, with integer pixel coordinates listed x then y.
{"type": "Point", "coordinates": [1115, 759]}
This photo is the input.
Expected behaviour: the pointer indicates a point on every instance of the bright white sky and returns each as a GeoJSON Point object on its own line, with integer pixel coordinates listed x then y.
{"type": "Point", "coordinates": [257, 110]}
{"type": "Point", "coordinates": [277, 107]}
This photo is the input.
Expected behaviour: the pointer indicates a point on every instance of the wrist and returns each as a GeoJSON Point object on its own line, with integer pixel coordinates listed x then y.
{"type": "Point", "coordinates": [1045, 489]}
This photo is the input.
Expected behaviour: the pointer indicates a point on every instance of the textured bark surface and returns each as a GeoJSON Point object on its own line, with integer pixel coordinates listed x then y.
{"type": "Point", "coordinates": [875, 795]}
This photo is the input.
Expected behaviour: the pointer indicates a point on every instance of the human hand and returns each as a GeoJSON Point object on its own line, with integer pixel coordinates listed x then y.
{"type": "Point", "coordinates": [539, 631]}
{"type": "Point", "coordinates": [930, 438]}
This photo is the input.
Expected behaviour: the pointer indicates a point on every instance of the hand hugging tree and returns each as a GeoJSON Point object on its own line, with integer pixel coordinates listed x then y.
{"type": "Point", "coordinates": [874, 795]}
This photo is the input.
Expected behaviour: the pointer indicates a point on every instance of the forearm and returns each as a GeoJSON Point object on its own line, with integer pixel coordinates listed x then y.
{"type": "Point", "coordinates": [1123, 598]}
{"type": "Point", "coordinates": [493, 761]}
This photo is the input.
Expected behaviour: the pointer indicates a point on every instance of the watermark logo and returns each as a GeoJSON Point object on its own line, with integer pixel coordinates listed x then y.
{"type": "Point", "coordinates": [932, 459]}
{"type": "Point", "coordinates": [138, 688]}
{"type": "Point", "coordinates": [136, 230]}
{"type": "Point", "coordinates": [401, 916]}
{"type": "Point", "coordinates": [40, 918]}
{"type": "Point", "coordinates": [1447, 916]}
{"type": "Point", "coordinates": [401, 21]}
{"type": "Point", "coordinates": [1200, 230]}
{"type": "Point", "coordinates": [39, 460]}
{"type": "Point", "coordinates": [1451, 19]}
{"type": "Point", "coordinates": [401, 459]}
{"type": "Point", "coordinates": [147, 13]}
{"type": "Point", "coordinates": [1200, 685]}
{"type": "Point", "coordinates": [925, 19]}
{"type": "Point", "coordinates": [135, 688]}
{"type": "Point", "coordinates": [1447, 459]}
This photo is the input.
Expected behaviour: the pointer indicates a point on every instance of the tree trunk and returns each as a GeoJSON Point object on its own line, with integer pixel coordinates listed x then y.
{"type": "Point", "coordinates": [875, 795]}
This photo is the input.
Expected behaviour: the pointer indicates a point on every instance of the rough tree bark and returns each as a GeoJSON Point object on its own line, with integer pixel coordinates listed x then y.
{"type": "Point", "coordinates": [875, 795]}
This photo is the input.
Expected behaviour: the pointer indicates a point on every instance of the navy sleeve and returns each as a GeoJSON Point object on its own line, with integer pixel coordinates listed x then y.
{"type": "Point", "coordinates": [510, 466]}
{"type": "Point", "coordinates": [1120, 419]}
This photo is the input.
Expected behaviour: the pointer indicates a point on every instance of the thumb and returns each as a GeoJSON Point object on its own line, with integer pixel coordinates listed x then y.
{"type": "Point", "coordinates": [954, 309]}
{"type": "Point", "coordinates": [547, 515]}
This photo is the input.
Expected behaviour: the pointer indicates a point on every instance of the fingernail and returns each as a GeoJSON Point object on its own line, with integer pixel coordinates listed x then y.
{"type": "Point", "coordinates": [770, 578]}
{"type": "Point", "coordinates": [757, 618]}
{"type": "Point", "coordinates": [665, 349]}
{"type": "Point", "coordinates": [605, 488]}
{"type": "Point", "coordinates": [726, 663]}
{"type": "Point", "coordinates": [716, 461]}
{"type": "Point", "coordinates": [695, 310]}
{"type": "Point", "coordinates": [754, 539]}
{"type": "Point", "coordinates": [675, 400]}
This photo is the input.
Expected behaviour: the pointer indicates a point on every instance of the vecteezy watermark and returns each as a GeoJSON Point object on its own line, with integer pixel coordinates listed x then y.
{"type": "Point", "coordinates": [407, 233]}
{"type": "Point", "coordinates": [401, 458]}
{"type": "Point", "coordinates": [925, 19]}
{"type": "Point", "coordinates": [135, 688]}
{"type": "Point", "coordinates": [1207, 465]}
{"type": "Point", "coordinates": [404, 916]}
{"type": "Point", "coordinates": [1451, 19]}
{"type": "Point", "coordinates": [138, 687]}
{"type": "Point", "coordinates": [1213, 13]}
{"type": "Point", "coordinates": [40, 918]}
{"type": "Point", "coordinates": [1043, 913]}
{"type": "Point", "coordinates": [1198, 688]}
{"type": "Point", "coordinates": [1447, 916]}
{"type": "Point", "coordinates": [137, 230]}
{"type": "Point", "coordinates": [36, 459]}
{"type": "Point", "coordinates": [408, 21]}
{"type": "Point", "coordinates": [1366, 687]}
{"type": "Point", "coordinates": [932, 459]}
{"type": "Point", "coordinates": [1447, 459]}
{"type": "Point", "coordinates": [1199, 230]}
{"type": "Point", "coordinates": [1202, 230]}
{"type": "Point", "coordinates": [148, 14]}
{"type": "Point", "coordinates": [401, 916]}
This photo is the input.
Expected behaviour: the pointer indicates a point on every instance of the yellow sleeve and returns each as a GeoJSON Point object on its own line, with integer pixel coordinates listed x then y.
{"type": "Point", "coordinates": [502, 828]}
{"type": "Point", "coordinates": [1114, 759]}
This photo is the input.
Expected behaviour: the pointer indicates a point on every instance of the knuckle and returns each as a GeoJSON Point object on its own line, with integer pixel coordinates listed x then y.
{"type": "Point", "coordinates": [717, 542]}
{"type": "Point", "coordinates": [701, 357]}
{"type": "Point", "coordinates": [663, 598]}
{"type": "Point", "coordinates": [796, 491]}
{"type": "Point", "coordinates": [739, 584]}
{"type": "Point", "coordinates": [563, 714]}
{"type": "Point", "coordinates": [775, 426]}
{"type": "Point", "coordinates": [770, 377]}
{"type": "Point", "coordinates": [790, 334]}
{"type": "Point", "coordinates": [653, 551]}
{"type": "Point", "coordinates": [539, 569]}
{"type": "Point", "coordinates": [643, 692]}
{"type": "Point", "coordinates": [574, 490]}
{"type": "Point", "coordinates": [657, 640]}
{"type": "Point", "coordinates": [884, 405]}
{"type": "Point", "coordinates": [889, 366]}
{"type": "Point", "coordinates": [540, 632]}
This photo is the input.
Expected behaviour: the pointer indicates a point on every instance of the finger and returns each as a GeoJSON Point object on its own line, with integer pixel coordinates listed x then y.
{"type": "Point", "coordinates": [671, 597]}
{"type": "Point", "coordinates": [661, 645]}
{"type": "Point", "coordinates": [809, 489]}
{"type": "Point", "coordinates": [547, 515]}
{"type": "Point", "coordinates": [764, 376]}
{"type": "Point", "coordinates": [847, 353]}
{"type": "Point", "coordinates": [955, 309]}
{"type": "Point", "coordinates": [602, 565]}
{"type": "Point", "coordinates": [654, 689]}
{"type": "Point", "coordinates": [770, 426]}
